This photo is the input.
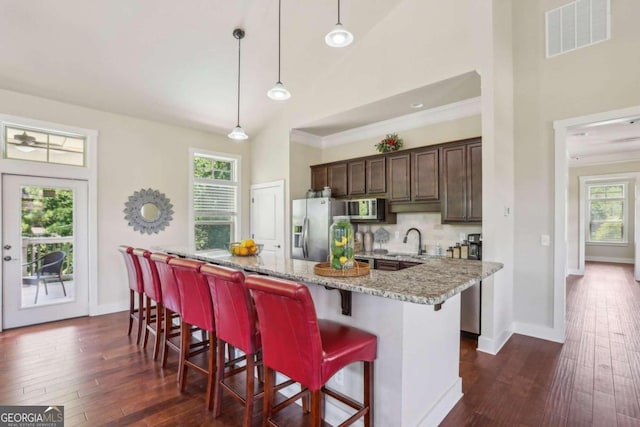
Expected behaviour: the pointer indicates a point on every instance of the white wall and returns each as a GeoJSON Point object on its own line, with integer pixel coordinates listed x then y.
{"type": "Point", "coordinates": [132, 154]}
{"type": "Point", "coordinates": [598, 78]}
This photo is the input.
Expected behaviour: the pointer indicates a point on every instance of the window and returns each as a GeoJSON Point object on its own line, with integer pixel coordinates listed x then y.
{"type": "Point", "coordinates": [607, 213]}
{"type": "Point", "coordinates": [214, 198]}
{"type": "Point", "coordinates": [43, 146]}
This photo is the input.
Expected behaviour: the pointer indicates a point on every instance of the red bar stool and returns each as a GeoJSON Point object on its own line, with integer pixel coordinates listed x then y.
{"type": "Point", "coordinates": [307, 349]}
{"type": "Point", "coordinates": [170, 304]}
{"type": "Point", "coordinates": [135, 286]}
{"type": "Point", "coordinates": [152, 292]}
{"type": "Point", "coordinates": [196, 309]}
{"type": "Point", "coordinates": [235, 326]}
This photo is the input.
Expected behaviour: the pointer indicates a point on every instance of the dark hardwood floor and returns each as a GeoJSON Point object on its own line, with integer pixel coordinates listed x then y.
{"type": "Point", "coordinates": [593, 379]}
{"type": "Point", "coordinates": [101, 377]}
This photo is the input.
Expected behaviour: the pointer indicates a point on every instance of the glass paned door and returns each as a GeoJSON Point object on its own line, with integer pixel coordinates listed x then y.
{"type": "Point", "coordinates": [44, 250]}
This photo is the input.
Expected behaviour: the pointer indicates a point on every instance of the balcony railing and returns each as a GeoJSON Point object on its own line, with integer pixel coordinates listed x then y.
{"type": "Point", "coordinates": [36, 247]}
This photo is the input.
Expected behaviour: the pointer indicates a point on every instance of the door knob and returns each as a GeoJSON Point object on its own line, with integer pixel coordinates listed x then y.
{"type": "Point", "coordinates": [7, 247]}
{"type": "Point", "coordinates": [7, 258]}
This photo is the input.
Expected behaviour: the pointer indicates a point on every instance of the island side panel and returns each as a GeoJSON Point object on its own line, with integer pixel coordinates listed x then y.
{"type": "Point", "coordinates": [431, 383]}
{"type": "Point", "coordinates": [382, 317]}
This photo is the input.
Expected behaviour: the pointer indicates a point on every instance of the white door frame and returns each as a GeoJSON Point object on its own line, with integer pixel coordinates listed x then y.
{"type": "Point", "coordinates": [280, 184]}
{"type": "Point", "coordinates": [561, 199]}
{"type": "Point", "coordinates": [88, 173]}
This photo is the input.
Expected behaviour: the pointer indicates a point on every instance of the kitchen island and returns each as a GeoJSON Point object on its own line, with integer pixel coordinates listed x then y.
{"type": "Point", "coordinates": [416, 377]}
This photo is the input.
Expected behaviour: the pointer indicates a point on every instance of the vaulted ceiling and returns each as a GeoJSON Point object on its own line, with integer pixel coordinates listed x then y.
{"type": "Point", "coordinates": [173, 61]}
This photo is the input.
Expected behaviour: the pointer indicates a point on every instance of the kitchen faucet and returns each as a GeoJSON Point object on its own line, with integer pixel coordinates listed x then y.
{"type": "Point", "coordinates": [419, 239]}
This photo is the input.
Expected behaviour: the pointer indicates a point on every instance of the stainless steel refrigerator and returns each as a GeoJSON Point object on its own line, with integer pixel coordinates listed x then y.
{"type": "Point", "coordinates": [311, 219]}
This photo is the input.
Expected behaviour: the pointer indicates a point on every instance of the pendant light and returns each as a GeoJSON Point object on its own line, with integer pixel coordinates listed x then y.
{"type": "Point", "coordinates": [238, 133]}
{"type": "Point", "coordinates": [279, 92]}
{"type": "Point", "coordinates": [339, 36]}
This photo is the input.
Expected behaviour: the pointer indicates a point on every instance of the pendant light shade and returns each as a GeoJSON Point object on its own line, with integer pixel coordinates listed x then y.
{"type": "Point", "coordinates": [279, 92]}
{"type": "Point", "coordinates": [238, 133]}
{"type": "Point", "coordinates": [338, 36]}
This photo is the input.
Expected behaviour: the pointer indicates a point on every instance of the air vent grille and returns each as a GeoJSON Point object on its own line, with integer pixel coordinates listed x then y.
{"type": "Point", "coordinates": [577, 24]}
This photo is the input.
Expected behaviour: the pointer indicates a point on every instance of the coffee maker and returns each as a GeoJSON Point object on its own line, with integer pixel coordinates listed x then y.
{"type": "Point", "coordinates": [475, 246]}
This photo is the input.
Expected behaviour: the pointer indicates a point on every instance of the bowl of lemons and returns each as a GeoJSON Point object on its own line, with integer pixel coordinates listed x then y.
{"type": "Point", "coordinates": [244, 248]}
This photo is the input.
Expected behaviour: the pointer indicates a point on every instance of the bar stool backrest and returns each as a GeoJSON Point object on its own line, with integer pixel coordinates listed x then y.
{"type": "Point", "coordinates": [232, 307]}
{"type": "Point", "coordinates": [195, 299]}
{"type": "Point", "coordinates": [150, 279]}
{"type": "Point", "coordinates": [291, 342]}
{"type": "Point", "coordinates": [133, 268]}
{"type": "Point", "coordinates": [170, 294]}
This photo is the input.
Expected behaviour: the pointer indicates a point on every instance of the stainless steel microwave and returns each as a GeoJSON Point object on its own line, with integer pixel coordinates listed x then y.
{"type": "Point", "coordinates": [365, 209]}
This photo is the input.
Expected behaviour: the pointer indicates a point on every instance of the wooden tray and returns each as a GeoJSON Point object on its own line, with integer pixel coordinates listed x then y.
{"type": "Point", "coordinates": [359, 269]}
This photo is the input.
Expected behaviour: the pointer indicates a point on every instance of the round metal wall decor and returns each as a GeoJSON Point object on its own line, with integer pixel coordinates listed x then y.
{"type": "Point", "coordinates": [148, 211]}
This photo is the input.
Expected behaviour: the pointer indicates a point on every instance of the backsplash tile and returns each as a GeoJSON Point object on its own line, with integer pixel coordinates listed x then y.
{"type": "Point", "coordinates": [432, 230]}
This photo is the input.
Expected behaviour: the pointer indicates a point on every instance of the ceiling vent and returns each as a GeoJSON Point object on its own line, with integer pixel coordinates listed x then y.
{"type": "Point", "coordinates": [577, 24]}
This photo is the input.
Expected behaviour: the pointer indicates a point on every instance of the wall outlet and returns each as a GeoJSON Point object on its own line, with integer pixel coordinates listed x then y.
{"type": "Point", "coordinates": [397, 235]}
{"type": "Point", "coordinates": [338, 377]}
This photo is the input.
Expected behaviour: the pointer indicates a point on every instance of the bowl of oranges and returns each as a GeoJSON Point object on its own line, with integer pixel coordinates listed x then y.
{"type": "Point", "coordinates": [244, 248]}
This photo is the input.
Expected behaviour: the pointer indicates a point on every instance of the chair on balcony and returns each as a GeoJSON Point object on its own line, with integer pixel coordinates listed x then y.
{"type": "Point", "coordinates": [47, 267]}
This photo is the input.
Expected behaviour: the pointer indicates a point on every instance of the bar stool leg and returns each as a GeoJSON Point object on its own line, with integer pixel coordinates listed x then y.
{"type": "Point", "coordinates": [267, 404]}
{"type": "Point", "coordinates": [147, 322]}
{"type": "Point", "coordinates": [217, 390]}
{"type": "Point", "coordinates": [131, 309]}
{"type": "Point", "coordinates": [140, 316]}
{"type": "Point", "coordinates": [316, 408]}
{"type": "Point", "coordinates": [159, 328]}
{"type": "Point", "coordinates": [185, 344]}
{"type": "Point", "coordinates": [368, 393]}
{"type": "Point", "coordinates": [212, 369]}
{"type": "Point", "coordinates": [249, 396]}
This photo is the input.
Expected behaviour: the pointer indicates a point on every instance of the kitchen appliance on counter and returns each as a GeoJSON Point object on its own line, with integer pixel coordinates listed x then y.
{"type": "Point", "coordinates": [370, 210]}
{"type": "Point", "coordinates": [311, 219]}
{"type": "Point", "coordinates": [475, 246]}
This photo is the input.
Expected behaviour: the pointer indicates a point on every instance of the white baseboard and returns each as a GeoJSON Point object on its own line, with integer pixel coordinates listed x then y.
{"type": "Point", "coordinates": [575, 272]}
{"type": "Point", "coordinates": [610, 259]}
{"type": "Point", "coordinates": [443, 406]}
{"type": "Point", "coordinates": [537, 331]}
{"type": "Point", "coordinates": [115, 307]}
{"type": "Point", "coordinates": [493, 346]}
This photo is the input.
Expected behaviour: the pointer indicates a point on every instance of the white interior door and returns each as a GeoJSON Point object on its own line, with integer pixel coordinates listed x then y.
{"type": "Point", "coordinates": [267, 216]}
{"type": "Point", "coordinates": [44, 217]}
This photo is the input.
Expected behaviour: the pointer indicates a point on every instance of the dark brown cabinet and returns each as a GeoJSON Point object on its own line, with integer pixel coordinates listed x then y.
{"type": "Point", "coordinates": [425, 175]}
{"type": "Point", "coordinates": [337, 179]}
{"type": "Point", "coordinates": [319, 177]}
{"type": "Point", "coordinates": [376, 175]}
{"type": "Point", "coordinates": [357, 178]}
{"type": "Point", "coordinates": [462, 182]}
{"type": "Point", "coordinates": [399, 177]}
{"type": "Point", "coordinates": [390, 265]}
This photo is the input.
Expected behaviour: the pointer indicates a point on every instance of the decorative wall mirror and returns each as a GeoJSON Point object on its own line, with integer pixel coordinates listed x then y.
{"type": "Point", "coordinates": [148, 211]}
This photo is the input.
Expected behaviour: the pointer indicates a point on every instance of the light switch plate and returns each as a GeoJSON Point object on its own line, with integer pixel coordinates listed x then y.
{"type": "Point", "coordinates": [545, 240]}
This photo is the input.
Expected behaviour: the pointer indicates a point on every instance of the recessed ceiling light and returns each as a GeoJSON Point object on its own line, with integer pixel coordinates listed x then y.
{"type": "Point", "coordinates": [417, 105]}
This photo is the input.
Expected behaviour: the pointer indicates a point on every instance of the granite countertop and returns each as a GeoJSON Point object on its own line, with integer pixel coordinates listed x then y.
{"type": "Point", "coordinates": [432, 282]}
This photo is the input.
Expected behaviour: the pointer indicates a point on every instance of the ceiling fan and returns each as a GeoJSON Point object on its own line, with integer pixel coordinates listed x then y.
{"type": "Point", "coordinates": [27, 142]}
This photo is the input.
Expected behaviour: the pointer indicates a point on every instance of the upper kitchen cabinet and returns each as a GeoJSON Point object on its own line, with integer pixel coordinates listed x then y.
{"type": "Point", "coordinates": [399, 177]}
{"type": "Point", "coordinates": [376, 175]}
{"type": "Point", "coordinates": [425, 175]}
{"type": "Point", "coordinates": [461, 180]}
{"type": "Point", "coordinates": [319, 178]}
{"type": "Point", "coordinates": [337, 179]}
{"type": "Point", "coordinates": [357, 178]}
